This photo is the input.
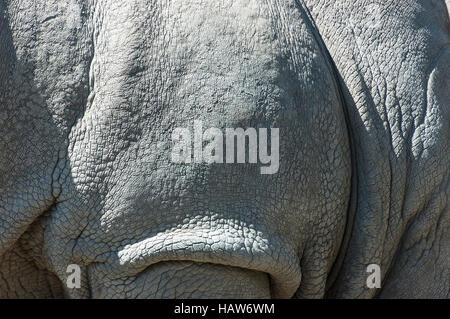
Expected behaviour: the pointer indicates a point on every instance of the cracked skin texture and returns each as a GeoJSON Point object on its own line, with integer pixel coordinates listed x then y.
{"type": "Point", "coordinates": [91, 91]}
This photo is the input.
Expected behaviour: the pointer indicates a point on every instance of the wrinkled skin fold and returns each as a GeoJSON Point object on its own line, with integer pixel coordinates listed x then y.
{"type": "Point", "coordinates": [91, 90]}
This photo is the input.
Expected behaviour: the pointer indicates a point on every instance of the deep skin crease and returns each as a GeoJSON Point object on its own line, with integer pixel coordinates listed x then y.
{"type": "Point", "coordinates": [90, 92]}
